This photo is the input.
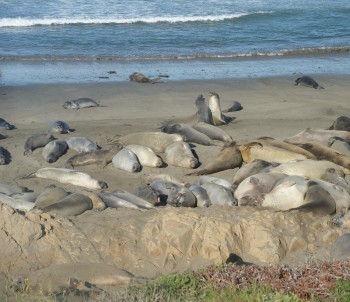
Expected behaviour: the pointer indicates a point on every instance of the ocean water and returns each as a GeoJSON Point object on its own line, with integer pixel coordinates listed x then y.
{"type": "Point", "coordinates": [185, 39]}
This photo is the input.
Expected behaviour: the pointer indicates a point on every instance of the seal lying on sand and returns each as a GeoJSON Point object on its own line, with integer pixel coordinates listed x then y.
{"type": "Point", "coordinates": [53, 150]}
{"type": "Point", "coordinates": [140, 78]}
{"type": "Point", "coordinates": [318, 135]}
{"type": "Point", "coordinates": [81, 144]}
{"type": "Point", "coordinates": [5, 156]}
{"type": "Point", "coordinates": [308, 82]}
{"type": "Point", "coordinates": [5, 125]}
{"type": "Point", "coordinates": [219, 195]}
{"type": "Point", "coordinates": [341, 123]}
{"type": "Point", "coordinates": [59, 127]}
{"type": "Point", "coordinates": [50, 195]}
{"type": "Point", "coordinates": [202, 197]}
{"type": "Point", "coordinates": [80, 104]}
{"type": "Point", "coordinates": [339, 145]}
{"type": "Point", "coordinates": [37, 141]}
{"type": "Point", "coordinates": [146, 156]}
{"type": "Point", "coordinates": [16, 203]}
{"type": "Point", "coordinates": [126, 160]}
{"type": "Point", "coordinates": [179, 154]}
{"type": "Point", "coordinates": [235, 106]}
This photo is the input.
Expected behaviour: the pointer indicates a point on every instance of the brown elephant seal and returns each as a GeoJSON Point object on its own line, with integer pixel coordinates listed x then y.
{"type": "Point", "coordinates": [50, 195]}
{"type": "Point", "coordinates": [97, 202]}
{"type": "Point", "coordinates": [331, 176]}
{"type": "Point", "coordinates": [217, 118]}
{"type": "Point", "coordinates": [72, 205]}
{"type": "Point", "coordinates": [213, 132]}
{"type": "Point", "coordinates": [126, 160]}
{"type": "Point", "coordinates": [101, 157]}
{"type": "Point", "coordinates": [308, 82]}
{"type": "Point", "coordinates": [59, 127]}
{"type": "Point", "coordinates": [157, 141]}
{"type": "Point", "coordinates": [219, 195]}
{"type": "Point", "coordinates": [140, 78]}
{"type": "Point", "coordinates": [179, 154]}
{"type": "Point", "coordinates": [146, 156]}
{"type": "Point", "coordinates": [54, 150]}
{"type": "Point", "coordinates": [37, 141]}
{"type": "Point", "coordinates": [81, 144]}
{"type": "Point", "coordinates": [68, 176]}
{"type": "Point", "coordinates": [340, 249]}
{"type": "Point", "coordinates": [318, 135]}
{"type": "Point", "coordinates": [228, 158]}
{"type": "Point", "coordinates": [80, 104]}
{"type": "Point", "coordinates": [318, 201]}
{"type": "Point", "coordinates": [341, 123]}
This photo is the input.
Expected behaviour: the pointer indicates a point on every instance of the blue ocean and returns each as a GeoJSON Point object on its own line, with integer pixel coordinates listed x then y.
{"type": "Point", "coordinates": [109, 39]}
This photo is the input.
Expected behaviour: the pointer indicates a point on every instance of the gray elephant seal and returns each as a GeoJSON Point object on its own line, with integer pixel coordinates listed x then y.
{"type": "Point", "coordinates": [37, 141]}
{"type": "Point", "coordinates": [235, 106]}
{"type": "Point", "coordinates": [140, 78]}
{"type": "Point", "coordinates": [81, 144]}
{"type": "Point", "coordinates": [53, 150]}
{"type": "Point", "coordinates": [202, 197]}
{"type": "Point", "coordinates": [5, 125]}
{"type": "Point", "coordinates": [59, 127]}
{"type": "Point", "coordinates": [72, 205]}
{"type": "Point", "coordinates": [254, 167]}
{"type": "Point", "coordinates": [339, 145]}
{"type": "Point", "coordinates": [5, 156]}
{"type": "Point", "coordinates": [341, 248]}
{"type": "Point", "coordinates": [214, 133]}
{"type": "Point", "coordinates": [68, 176]}
{"type": "Point", "coordinates": [11, 189]}
{"type": "Point", "coordinates": [16, 203]}
{"type": "Point", "coordinates": [147, 193]}
{"type": "Point", "coordinates": [341, 123]}
{"type": "Point", "coordinates": [146, 156]}
{"type": "Point", "coordinates": [2, 136]}
{"type": "Point", "coordinates": [179, 154]}
{"type": "Point", "coordinates": [217, 118]}
{"type": "Point", "coordinates": [102, 157]}
{"type": "Point", "coordinates": [126, 160]}
{"type": "Point", "coordinates": [80, 104]}
{"type": "Point", "coordinates": [219, 195]}
{"type": "Point", "coordinates": [49, 196]}
{"type": "Point", "coordinates": [308, 82]}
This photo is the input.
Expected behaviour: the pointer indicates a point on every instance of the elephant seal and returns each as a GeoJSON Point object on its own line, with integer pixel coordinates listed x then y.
{"type": "Point", "coordinates": [134, 199]}
{"type": "Point", "coordinates": [183, 198]}
{"type": "Point", "coordinates": [10, 189]}
{"type": "Point", "coordinates": [97, 202]}
{"type": "Point", "coordinates": [146, 192]}
{"type": "Point", "coordinates": [228, 158]}
{"type": "Point", "coordinates": [157, 141]}
{"type": "Point", "coordinates": [59, 127]}
{"type": "Point", "coordinates": [53, 150]}
{"type": "Point", "coordinates": [341, 123]}
{"type": "Point", "coordinates": [140, 78]}
{"type": "Point", "coordinates": [5, 156]}
{"type": "Point", "coordinates": [25, 196]}
{"type": "Point", "coordinates": [146, 156]}
{"type": "Point", "coordinates": [179, 154]}
{"type": "Point", "coordinates": [331, 176]}
{"type": "Point", "coordinates": [202, 197]}
{"type": "Point", "coordinates": [339, 145]}
{"type": "Point", "coordinates": [50, 195]}
{"type": "Point", "coordinates": [113, 201]}
{"type": "Point", "coordinates": [169, 191]}
{"type": "Point", "coordinates": [16, 203]}
{"type": "Point", "coordinates": [317, 201]}
{"type": "Point", "coordinates": [308, 82]}
{"type": "Point", "coordinates": [2, 136]}
{"type": "Point", "coordinates": [219, 195]}
{"type": "Point", "coordinates": [126, 160]}
{"type": "Point", "coordinates": [37, 141]}
{"type": "Point", "coordinates": [216, 180]}
{"type": "Point", "coordinates": [165, 177]}
{"type": "Point", "coordinates": [80, 104]}
{"type": "Point", "coordinates": [235, 106]}
{"type": "Point", "coordinates": [102, 157]}
{"type": "Point", "coordinates": [318, 135]}
{"type": "Point", "coordinates": [340, 249]}
{"type": "Point", "coordinates": [254, 167]}
{"type": "Point", "coordinates": [5, 125]}
{"type": "Point", "coordinates": [72, 205]}
{"type": "Point", "coordinates": [68, 176]}
{"type": "Point", "coordinates": [81, 144]}
{"type": "Point", "coordinates": [214, 133]}
{"type": "Point", "coordinates": [216, 116]}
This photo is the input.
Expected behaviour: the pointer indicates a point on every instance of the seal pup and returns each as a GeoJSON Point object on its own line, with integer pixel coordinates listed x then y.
{"type": "Point", "coordinates": [338, 144]}
{"type": "Point", "coordinates": [80, 104]}
{"type": "Point", "coordinates": [72, 205]}
{"type": "Point", "coordinates": [81, 144]}
{"type": "Point", "coordinates": [59, 127]}
{"type": "Point", "coordinates": [16, 203]}
{"type": "Point", "coordinates": [340, 249]}
{"type": "Point", "coordinates": [183, 198]}
{"type": "Point", "coordinates": [37, 141]}
{"type": "Point", "coordinates": [146, 156]}
{"type": "Point", "coordinates": [157, 141]}
{"type": "Point", "coordinates": [219, 195]}
{"type": "Point", "coordinates": [318, 135]}
{"type": "Point", "coordinates": [134, 199]}
{"type": "Point", "coordinates": [53, 150]}
{"type": "Point", "coordinates": [179, 154]}
{"type": "Point", "coordinates": [140, 78]}
{"type": "Point", "coordinates": [228, 158]}
{"type": "Point", "coordinates": [308, 82]}
{"type": "Point", "coordinates": [146, 192]}
{"type": "Point", "coordinates": [202, 197]}
{"type": "Point", "coordinates": [68, 176]}
{"type": "Point", "coordinates": [50, 195]}
{"type": "Point", "coordinates": [126, 160]}
{"type": "Point", "coordinates": [235, 106]}
{"type": "Point", "coordinates": [5, 125]}
{"type": "Point", "coordinates": [341, 123]}
{"type": "Point", "coordinates": [214, 133]}
{"type": "Point", "coordinates": [100, 156]}
{"type": "Point", "coordinates": [216, 116]}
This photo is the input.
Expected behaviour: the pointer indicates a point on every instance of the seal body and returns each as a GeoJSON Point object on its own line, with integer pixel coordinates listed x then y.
{"type": "Point", "coordinates": [308, 82]}
{"type": "Point", "coordinates": [81, 144]}
{"type": "Point", "coordinates": [341, 123]}
{"type": "Point", "coordinates": [341, 248]}
{"type": "Point", "coordinates": [16, 203]}
{"type": "Point", "coordinates": [134, 199]}
{"type": "Point", "coordinates": [318, 135]}
{"type": "Point", "coordinates": [235, 106]}
{"type": "Point", "coordinates": [340, 146]}
{"type": "Point", "coordinates": [37, 141]}
{"type": "Point", "coordinates": [5, 125]}
{"type": "Point", "coordinates": [113, 201]}
{"type": "Point", "coordinates": [254, 167]}
{"type": "Point", "coordinates": [147, 193]}
{"type": "Point", "coordinates": [146, 156]}
{"type": "Point", "coordinates": [179, 154]}
{"type": "Point", "coordinates": [59, 127]}
{"type": "Point", "coordinates": [214, 133]}
{"type": "Point", "coordinates": [50, 195]}
{"type": "Point", "coordinates": [219, 195]}
{"type": "Point", "coordinates": [202, 197]}
{"type": "Point", "coordinates": [3, 156]}
{"type": "Point", "coordinates": [53, 150]}
{"type": "Point", "coordinates": [140, 78]}
{"type": "Point", "coordinates": [126, 160]}
{"type": "Point", "coordinates": [80, 103]}
{"type": "Point", "coordinates": [216, 180]}
{"type": "Point", "coordinates": [217, 118]}
{"type": "Point", "coordinates": [10, 189]}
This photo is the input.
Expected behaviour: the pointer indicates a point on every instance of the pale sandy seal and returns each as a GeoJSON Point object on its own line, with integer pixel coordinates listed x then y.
{"type": "Point", "coordinates": [217, 180]}
{"type": "Point", "coordinates": [25, 196]}
{"type": "Point", "coordinates": [80, 103]}
{"type": "Point", "coordinates": [134, 199]}
{"type": "Point", "coordinates": [340, 249]}
{"type": "Point", "coordinates": [59, 127]}
{"type": "Point", "coordinates": [101, 156]}
{"type": "Point", "coordinates": [184, 198]}
{"type": "Point", "coordinates": [202, 197]}
{"type": "Point", "coordinates": [5, 125]}
{"type": "Point", "coordinates": [341, 123]}
{"type": "Point", "coordinates": [16, 203]}
{"type": "Point", "coordinates": [54, 150]}
{"type": "Point", "coordinates": [165, 177]}
{"type": "Point", "coordinates": [50, 195]}
{"type": "Point", "coordinates": [179, 154]}
{"type": "Point", "coordinates": [81, 144]}
{"type": "Point", "coordinates": [214, 133]}
{"type": "Point", "coordinates": [72, 205]}
{"type": "Point", "coordinates": [217, 118]}
{"type": "Point", "coordinates": [308, 82]}
{"type": "Point", "coordinates": [318, 135]}
{"type": "Point", "coordinates": [146, 156]}
{"type": "Point", "coordinates": [254, 167]}
{"type": "Point", "coordinates": [68, 176]}
{"type": "Point", "coordinates": [37, 141]}
{"type": "Point", "coordinates": [126, 160]}
{"type": "Point", "coordinates": [140, 78]}
{"type": "Point", "coordinates": [219, 195]}
{"type": "Point", "coordinates": [338, 144]}
{"type": "Point", "coordinates": [157, 141]}
{"type": "Point", "coordinates": [228, 158]}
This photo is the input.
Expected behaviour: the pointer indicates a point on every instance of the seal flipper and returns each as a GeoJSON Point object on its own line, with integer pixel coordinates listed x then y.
{"type": "Point", "coordinates": [30, 175]}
